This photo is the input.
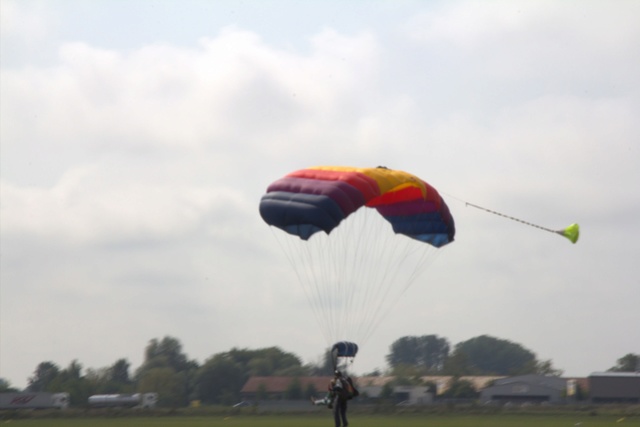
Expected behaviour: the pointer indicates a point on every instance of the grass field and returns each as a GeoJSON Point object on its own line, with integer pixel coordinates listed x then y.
{"type": "Point", "coordinates": [354, 421]}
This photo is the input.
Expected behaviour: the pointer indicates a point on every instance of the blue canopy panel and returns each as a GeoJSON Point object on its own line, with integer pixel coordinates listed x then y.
{"type": "Point", "coordinates": [344, 349]}
{"type": "Point", "coordinates": [427, 227]}
{"type": "Point", "coordinates": [300, 214]}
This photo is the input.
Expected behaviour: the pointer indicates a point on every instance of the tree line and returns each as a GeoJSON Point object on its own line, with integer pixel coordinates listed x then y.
{"type": "Point", "coordinates": [482, 355]}
{"type": "Point", "coordinates": [178, 380]}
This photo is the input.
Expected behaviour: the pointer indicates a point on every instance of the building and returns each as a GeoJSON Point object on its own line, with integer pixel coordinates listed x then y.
{"type": "Point", "coordinates": [614, 387]}
{"type": "Point", "coordinates": [526, 388]}
{"type": "Point", "coordinates": [275, 388]}
{"type": "Point", "coordinates": [443, 382]}
{"type": "Point", "coordinates": [412, 395]}
{"type": "Point", "coordinates": [371, 387]}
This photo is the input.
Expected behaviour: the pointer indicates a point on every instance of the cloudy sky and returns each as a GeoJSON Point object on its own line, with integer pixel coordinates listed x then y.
{"type": "Point", "coordinates": [137, 138]}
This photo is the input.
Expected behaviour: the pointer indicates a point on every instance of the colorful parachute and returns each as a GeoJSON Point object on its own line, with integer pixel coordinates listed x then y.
{"type": "Point", "coordinates": [318, 199]}
{"type": "Point", "coordinates": [357, 239]}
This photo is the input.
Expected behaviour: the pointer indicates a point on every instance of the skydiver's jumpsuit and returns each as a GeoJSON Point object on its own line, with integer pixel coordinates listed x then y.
{"type": "Point", "coordinates": [340, 402]}
{"type": "Point", "coordinates": [328, 398]}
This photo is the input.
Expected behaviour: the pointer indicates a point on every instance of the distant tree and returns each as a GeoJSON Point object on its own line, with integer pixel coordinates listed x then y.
{"type": "Point", "coordinates": [492, 356]}
{"type": "Point", "coordinates": [43, 377]}
{"type": "Point", "coordinates": [294, 371]}
{"type": "Point", "coordinates": [119, 372]}
{"type": "Point", "coordinates": [73, 371]}
{"type": "Point", "coordinates": [223, 375]}
{"type": "Point", "coordinates": [169, 384]}
{"type": "Point", "coordinates": [546, 368]}
{"type": "Point", "coordinates": [112, 379]}
{"type": "Point", "coordinates": [161, 357]}
{"type": "Point", "coordinates": [166, 352]}
{"type": "Point", "coordinates": [434, 352]}
{"type": "Point", "coordinates": [265, 361]}
{"type": "Point", "coordinates": [403, 352]}
{"type": "Point", "coordinates": [71, 381]}
{"type": "Point", "coordinates": [259, 367]}
{"type": "Point", "coordinates": [98, 380]}
{"type": "Point", "coordinates": [5, 386]}
{"type": "Point", "coordinates": [458, 364]}
{"type": "Point", "coordinates": [428, 353]}
{"type": "Point", "coordinates": [627, 363]}
{"type": "Point", "coordinates": [220, 379]}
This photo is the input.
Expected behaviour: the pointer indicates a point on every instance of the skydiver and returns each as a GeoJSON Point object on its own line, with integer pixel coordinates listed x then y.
{"type": "Point", "coordinates": [343, 390]}
{"type": "Point", "coordinates": [340, 390]}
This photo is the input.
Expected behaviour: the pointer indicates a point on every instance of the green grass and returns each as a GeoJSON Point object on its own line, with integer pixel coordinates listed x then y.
{"type": "Point", "coordinates": [354, 421]}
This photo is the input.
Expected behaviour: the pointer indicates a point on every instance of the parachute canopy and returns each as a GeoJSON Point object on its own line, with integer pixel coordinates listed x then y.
{"type": "Point", "coordinates": [344, 349]}
{"type": "Point", "coordinates": [320, 198]}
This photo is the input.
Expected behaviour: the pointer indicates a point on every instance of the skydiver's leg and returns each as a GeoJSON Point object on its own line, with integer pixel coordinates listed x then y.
{"type": "Point", "coordinates": [343, 412]}
{"type": "Point", "coordinates": [323, 401]}
{"type": "Point", "coordinates": [336, 414]}
{"type": "Point", "coordinates": [326, 400]}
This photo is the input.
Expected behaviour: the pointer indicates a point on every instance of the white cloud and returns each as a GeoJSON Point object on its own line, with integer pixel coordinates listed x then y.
{"type": "Point", "coordinates": [468, 24]}
{"type": "Point", "coordinates": [162, 95]}
{"type": "Point", "coordinates": [87, 206]}
{"type": "Point", "coordinates": [547, 45]}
